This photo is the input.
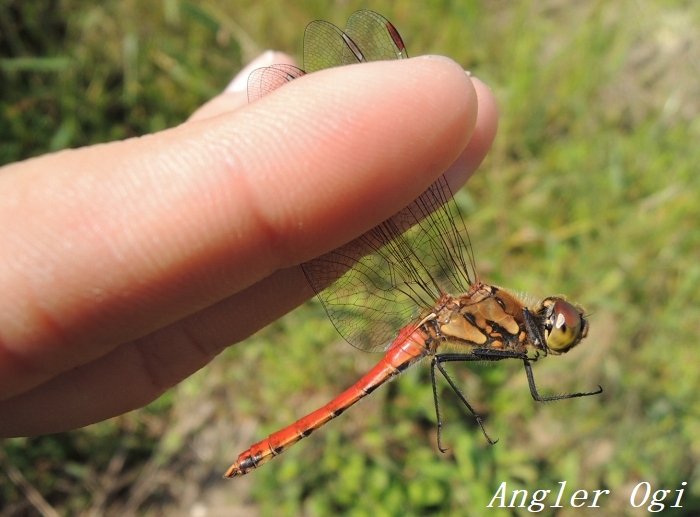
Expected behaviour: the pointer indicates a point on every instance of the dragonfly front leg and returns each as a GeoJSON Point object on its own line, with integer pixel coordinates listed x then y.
{"type": "Point", "coordinates": [437, 362]}
{"type": "Point", "coordinates": [539, 398]}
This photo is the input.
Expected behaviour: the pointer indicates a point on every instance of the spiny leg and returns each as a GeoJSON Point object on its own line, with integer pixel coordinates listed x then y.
{"type": "Point", "coordinates": [539, 398]}
{"type": "Point", "coordinates": [437, 407]}
{"type": "Point", "coordinates": [437, 361]}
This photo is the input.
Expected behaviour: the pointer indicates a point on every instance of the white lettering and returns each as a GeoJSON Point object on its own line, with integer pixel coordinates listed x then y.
{"type": "Point", "coordinates": [680, 494]}
{"type": "Point", "coordinates": [561, 493]}
{"type": "Point", "coordinates": [633, 497]}
{"type": "Point", "coordinates": [576, 497]}
{"type": "Point", "coordinates": [656, 499]}
{"type": "Point", "coordinates": [522, 501]}
{"type": "Point", "coordinates": [536, 501]}
{"type": "Point", "coordinates": [500, 493]}
{"type": "Point", "coordinates": [598, 493]}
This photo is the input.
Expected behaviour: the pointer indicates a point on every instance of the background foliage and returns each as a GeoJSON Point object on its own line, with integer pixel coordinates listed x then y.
{"type": "Point", "coordinates": [591, 190]}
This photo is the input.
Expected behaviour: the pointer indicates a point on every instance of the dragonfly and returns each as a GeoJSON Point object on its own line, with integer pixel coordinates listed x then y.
{"type": "Point", "coordinates": [409, 287]}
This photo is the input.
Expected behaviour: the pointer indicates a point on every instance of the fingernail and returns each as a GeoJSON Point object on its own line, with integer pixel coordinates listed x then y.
{"type": "Point", "coordinates": [240, 82]}
{"type": "Point", "coordinates": [473, 78]}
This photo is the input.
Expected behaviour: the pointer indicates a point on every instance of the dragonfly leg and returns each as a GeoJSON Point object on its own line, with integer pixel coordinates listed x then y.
{"type": "Point", "coordinates": [533, 329]}
{"type": "Point", "coordinates": [539, 398]}
{"type": "Point", "coordinates": [437, 361]}
{"type": "Point", "coordinates": [437, 407]}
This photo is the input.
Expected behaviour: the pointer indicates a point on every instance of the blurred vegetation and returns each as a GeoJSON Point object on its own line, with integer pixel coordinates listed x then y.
{"type": "Point", "coordinates": [591, 190]}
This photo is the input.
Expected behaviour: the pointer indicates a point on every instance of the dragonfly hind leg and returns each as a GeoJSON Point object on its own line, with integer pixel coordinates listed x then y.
{"type": "Point", "coordinates": [539, 398]}
{"type": "Point", "coordinates": [437, 362]}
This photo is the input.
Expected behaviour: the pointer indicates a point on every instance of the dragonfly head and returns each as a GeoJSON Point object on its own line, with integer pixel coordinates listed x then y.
{"type": "Point", "coordinates": [564, 324]}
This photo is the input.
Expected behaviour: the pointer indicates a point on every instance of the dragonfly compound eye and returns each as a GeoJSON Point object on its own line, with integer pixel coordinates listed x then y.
{"type": "Point", "coordinates": [565, 326]}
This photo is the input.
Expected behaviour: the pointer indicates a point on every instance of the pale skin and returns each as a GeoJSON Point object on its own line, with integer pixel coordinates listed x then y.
{"type": "Point", "coordinates": [126, 267]}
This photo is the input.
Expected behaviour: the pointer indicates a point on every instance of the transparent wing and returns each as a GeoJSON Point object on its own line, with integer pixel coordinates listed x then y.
{"type": "Point", "coordinates": [262, 81]}
{"type": "Point", "coordinates": [378, 283]}
{"type": "Point", "coordinates": [376, 37]}
{"type": "Point", "coordinates": [368, 36]}
{"type": "Point", "coordinates": [326, 46]}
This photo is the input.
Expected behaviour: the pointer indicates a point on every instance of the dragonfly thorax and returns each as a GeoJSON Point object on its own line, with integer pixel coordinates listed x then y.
{"type": "Point", "coordinates": [484, 317]}
{"type": "Point", "coordinates": [489, 317]}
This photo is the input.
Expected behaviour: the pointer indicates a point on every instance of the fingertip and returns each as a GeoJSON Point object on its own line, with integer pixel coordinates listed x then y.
{"type": "Point", "coordinates": [482, 138]}
{"type": "Point", "coordinates": [488, 108]}
{"type": "Point", "coordinates": [444, 68]}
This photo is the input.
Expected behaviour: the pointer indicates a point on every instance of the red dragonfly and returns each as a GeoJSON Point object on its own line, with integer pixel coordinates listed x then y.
{"type": "Point", "coordinates": [404, 270]}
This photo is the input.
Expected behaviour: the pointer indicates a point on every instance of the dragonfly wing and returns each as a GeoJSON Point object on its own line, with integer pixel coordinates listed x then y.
{"type": "Point", "coordinates": [368, 36]}
{"type": "Point", "coordinates": [326, 46]}
{"type": "Point", "coordinates": [376, 37]}
{"type": "Point", "coordinates": [380, 282]}
{"type": "Point", "coordinates": [262, 81]}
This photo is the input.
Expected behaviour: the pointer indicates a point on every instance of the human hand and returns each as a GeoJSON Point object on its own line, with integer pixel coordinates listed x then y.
{"type": "Point", "coordinates": [125, 267]}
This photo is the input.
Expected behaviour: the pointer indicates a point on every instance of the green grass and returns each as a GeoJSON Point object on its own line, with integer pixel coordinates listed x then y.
{"type": "Point", "coordinates": [591, 190]}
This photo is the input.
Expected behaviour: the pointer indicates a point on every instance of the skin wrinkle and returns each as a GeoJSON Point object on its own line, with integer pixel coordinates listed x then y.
{"type": "Point", "coordinates": [155, 362]}
{"type": "Point", "coordinates": [132, 354]}
{"type": "Point", "coordinates": [39, 315]}
{"type": "Point", "coordinates": [208, 352]}
{"type": "Point", "coordinates": [153, 366]}
{"type": "Point", "coordinates": [9, 356]}
{"type": "Point", "coordinates": [255, 213]}
{"type": "Point", "coordinates": [276, 232]}
{"type": "Point", "coordinates": [155, 359]}
{"type": "Point", "coordinates": [59, 338]}
{"type": "Point", "coordinates": [243, 185]}
{"type": "Point", "coordinates": [137, 356]}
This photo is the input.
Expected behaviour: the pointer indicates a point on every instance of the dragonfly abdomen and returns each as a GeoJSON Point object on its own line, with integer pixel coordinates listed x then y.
{"type": "Point", "coordinates": [409, 348]}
